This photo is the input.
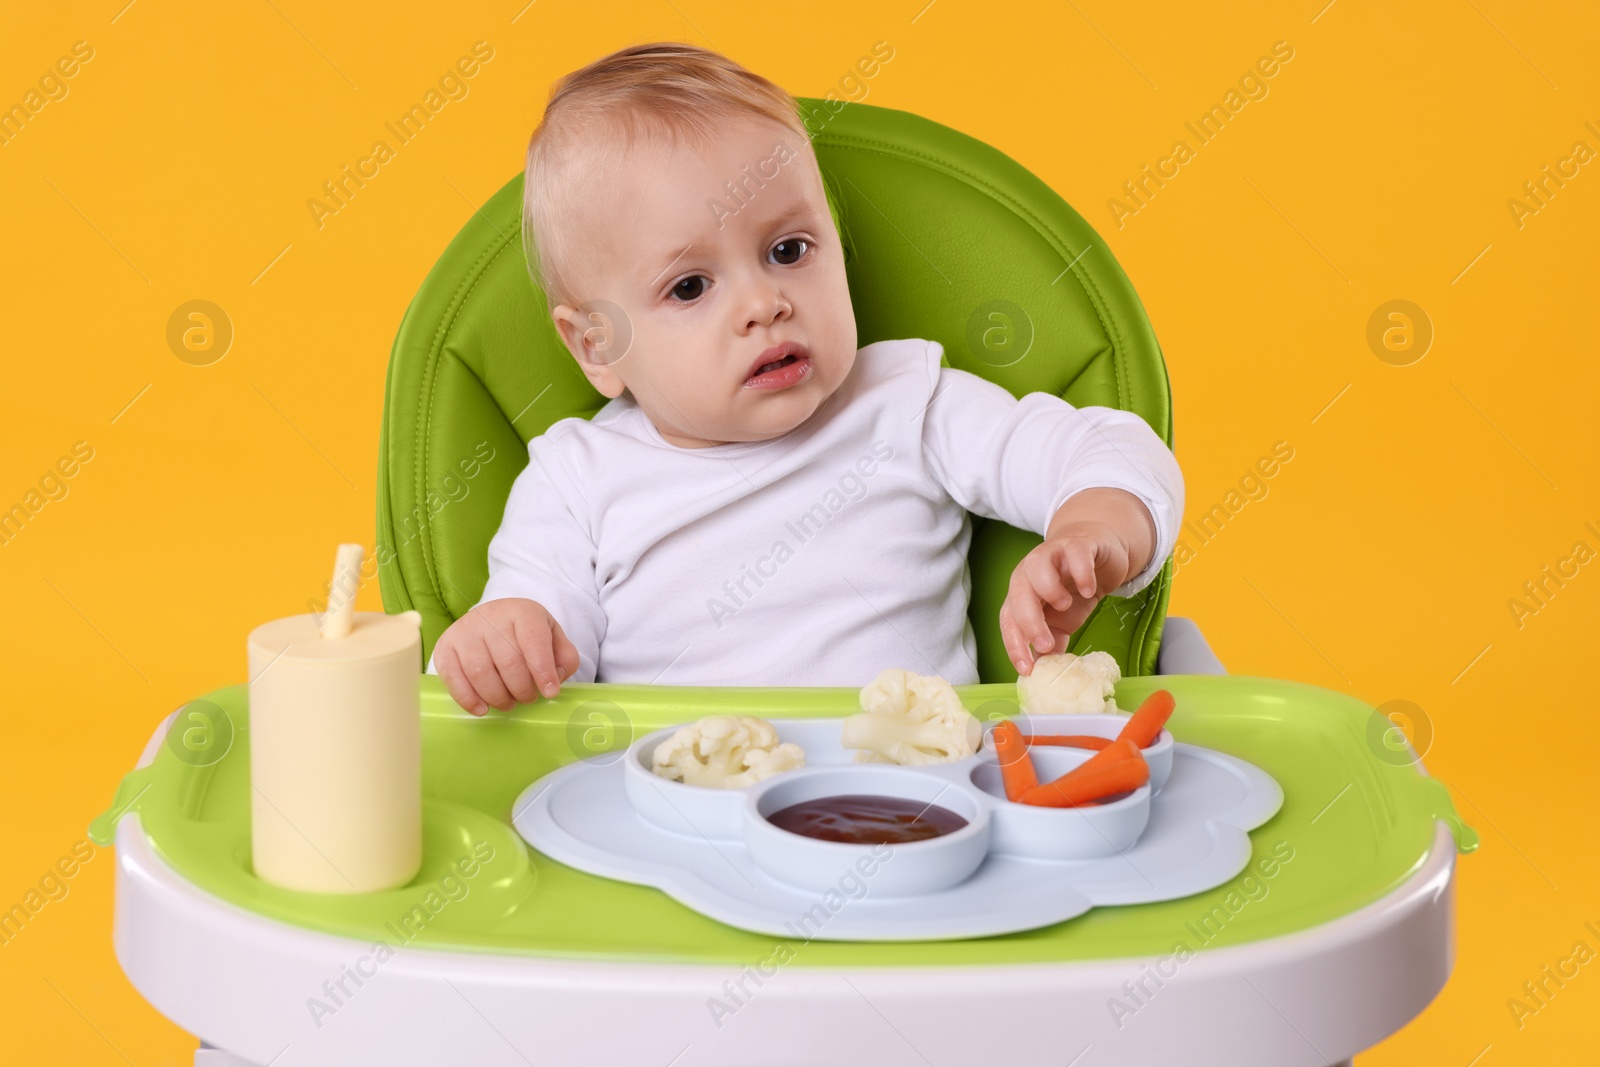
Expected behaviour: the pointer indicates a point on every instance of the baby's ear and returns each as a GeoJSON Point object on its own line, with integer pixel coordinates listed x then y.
{"type": "Point", "coordinates": [592, 339]}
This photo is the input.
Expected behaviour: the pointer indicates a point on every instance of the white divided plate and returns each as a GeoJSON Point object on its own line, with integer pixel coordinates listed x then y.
{"type": "Point", "coordinates": [1196, 839]}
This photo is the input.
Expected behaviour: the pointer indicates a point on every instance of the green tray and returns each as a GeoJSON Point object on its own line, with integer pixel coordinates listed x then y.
{"type": "Point", "coordinates": [1357, 819]}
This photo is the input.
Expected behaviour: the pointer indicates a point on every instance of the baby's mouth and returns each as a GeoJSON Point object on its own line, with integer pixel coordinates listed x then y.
{"type": "Point", "coordinates": [774, 365]}
{"type": "Point", "coordinates": [778, 369]}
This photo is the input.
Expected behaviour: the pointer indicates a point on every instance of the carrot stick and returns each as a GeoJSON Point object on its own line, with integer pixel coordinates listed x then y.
{"type": "Point", "coordinates": [1016, 766]}
{"type": "Point", "coordinates": [1146, 724]}
{"type": "Point", "coordinates": [1114, 769]}
{"type": "Point", "coordinates": [1069, 740]}
{"type": "Point", "coordinates": [1085, 785]}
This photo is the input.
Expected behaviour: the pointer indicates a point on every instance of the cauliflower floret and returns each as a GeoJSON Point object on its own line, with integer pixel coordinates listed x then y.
{"type": "Point", "coordinates": [1066, 684]}
{"type": "Point", "coordinates": [725, 752]}
{"type": "Point", "coordinates": [911, 719]}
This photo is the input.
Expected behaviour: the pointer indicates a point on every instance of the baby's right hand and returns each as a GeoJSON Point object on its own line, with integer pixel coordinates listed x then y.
{"type": "Point", "coordinates": [503, 653]}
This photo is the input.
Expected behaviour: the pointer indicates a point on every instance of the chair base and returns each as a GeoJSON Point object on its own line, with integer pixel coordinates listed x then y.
{"type": "Point", "coordinates": [1184, 650]}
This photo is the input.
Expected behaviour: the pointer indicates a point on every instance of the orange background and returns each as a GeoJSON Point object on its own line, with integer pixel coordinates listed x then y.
{"type": "Point", "coordinates": [1380, 563]}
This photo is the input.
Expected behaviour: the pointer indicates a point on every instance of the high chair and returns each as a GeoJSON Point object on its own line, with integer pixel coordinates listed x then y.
{"type": "Point", "coordinates": [947, 238]}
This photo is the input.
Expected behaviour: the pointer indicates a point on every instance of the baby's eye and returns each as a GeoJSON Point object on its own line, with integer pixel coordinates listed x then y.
{"type": "Point", "coordinates": [790, 250]}
{"type": "Point", "coordinates": [689, 288]}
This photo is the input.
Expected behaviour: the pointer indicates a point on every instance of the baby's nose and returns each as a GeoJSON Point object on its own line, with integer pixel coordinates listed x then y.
{"type": "Point", "coordinates": [768, 306]}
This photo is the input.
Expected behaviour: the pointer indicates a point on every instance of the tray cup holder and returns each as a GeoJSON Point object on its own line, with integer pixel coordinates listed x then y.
{"type": "Point", "coordinates": [1060, 833]}
{"type": "Point", "coordinates": [885, 870]}
{"type": "Point", "coordinates": [475, 872]}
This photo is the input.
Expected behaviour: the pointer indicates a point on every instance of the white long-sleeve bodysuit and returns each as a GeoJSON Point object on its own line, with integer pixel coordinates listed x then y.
{"type": "Point", "coordinates": [819, 557]}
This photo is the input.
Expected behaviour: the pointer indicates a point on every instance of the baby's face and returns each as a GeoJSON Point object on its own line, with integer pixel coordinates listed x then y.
{"type": "Point", "coordinates": [702, 285]}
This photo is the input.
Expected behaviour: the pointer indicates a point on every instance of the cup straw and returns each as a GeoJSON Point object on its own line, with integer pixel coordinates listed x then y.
{"type": "Point", "coordinates": [337, 620]}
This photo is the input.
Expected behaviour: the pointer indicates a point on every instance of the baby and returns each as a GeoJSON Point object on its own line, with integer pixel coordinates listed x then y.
{"type": "Point", "coordinates": [761, 502]}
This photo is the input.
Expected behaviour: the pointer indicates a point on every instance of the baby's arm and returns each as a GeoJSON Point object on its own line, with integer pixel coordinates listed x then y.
{"type": "Point", "coordinates": [1097, 483]}
{"type": "Point", "coordinates": [502, 653]}
{"type": "Point", "coordinates": [539, 621]}
{"type": "Point", "coordinates": [1097, 541]}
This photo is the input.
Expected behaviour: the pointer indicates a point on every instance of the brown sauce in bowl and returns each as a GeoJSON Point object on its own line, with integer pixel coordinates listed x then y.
{"type": "Point", "coordinates": [860, 819]}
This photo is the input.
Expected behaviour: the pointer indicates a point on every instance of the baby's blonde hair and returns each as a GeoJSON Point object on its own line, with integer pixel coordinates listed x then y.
{"type": "Point", "coordinates": [682, 90]}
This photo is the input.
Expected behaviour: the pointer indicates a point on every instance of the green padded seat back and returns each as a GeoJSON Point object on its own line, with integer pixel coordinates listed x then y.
{"type": "Point", "coordinates": [946, 238]}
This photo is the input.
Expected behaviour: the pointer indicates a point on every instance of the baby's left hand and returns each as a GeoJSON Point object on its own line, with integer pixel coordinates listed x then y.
{"type": "Point", "coordinates": [1057, 585]}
